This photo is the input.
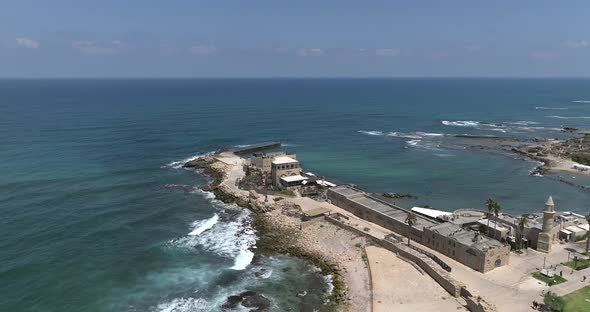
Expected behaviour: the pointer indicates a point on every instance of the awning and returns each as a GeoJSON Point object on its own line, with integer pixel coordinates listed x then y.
{"type": "Point", "coordinates": [433, 213]}
{"type": "Point", "coordinates": [566, 232]}
{"type": "Point", "coordinates": [294, 178]}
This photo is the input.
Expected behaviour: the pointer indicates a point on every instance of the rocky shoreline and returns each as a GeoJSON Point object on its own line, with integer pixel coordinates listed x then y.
{"type": "Point", "coordinates": [276, 233]}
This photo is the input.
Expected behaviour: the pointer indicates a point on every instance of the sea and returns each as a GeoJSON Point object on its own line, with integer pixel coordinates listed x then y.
{"type": "Point", "coordinates": [99, 215]}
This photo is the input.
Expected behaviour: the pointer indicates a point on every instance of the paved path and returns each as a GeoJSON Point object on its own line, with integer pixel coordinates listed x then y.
{"type": "Point", "coordinates": [235, 164]}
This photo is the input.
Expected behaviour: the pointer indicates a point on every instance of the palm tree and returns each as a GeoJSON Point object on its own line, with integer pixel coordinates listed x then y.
{"type": "Point", "coordinates": [522, 223]}
{"type": "Point", "coordinates": [410, 220]}
{"type": "Point", "coordinates": [588, 235]}
{"type": "Point", "coordinates": [490, 204]}
{"type": "Point", "coordinates": [497, 209]}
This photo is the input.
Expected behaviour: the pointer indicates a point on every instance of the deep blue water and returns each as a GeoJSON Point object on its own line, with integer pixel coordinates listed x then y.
{"type": "Point", "coordinates": [96, 218]}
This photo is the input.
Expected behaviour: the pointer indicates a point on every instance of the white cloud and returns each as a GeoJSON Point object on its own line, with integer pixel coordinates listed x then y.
{"type": "Point", "coordinates": [27, 43]}
{"type": "Point", "coordinates": [576, 44]}
{"type": "Point", "coordinates": [543, 55]}
{"type": "Point", "coordinates": [387, 52]}
{"type": "Point", "coordinates": [202, 50]}
{"type": "Point", "coordinates": [310, 52]}
{"type": "Point", "coordinates": [99, 48]}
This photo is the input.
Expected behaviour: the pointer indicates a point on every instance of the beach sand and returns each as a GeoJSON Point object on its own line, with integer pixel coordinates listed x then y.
{"type": "Point", "coordinates": [399, 286]}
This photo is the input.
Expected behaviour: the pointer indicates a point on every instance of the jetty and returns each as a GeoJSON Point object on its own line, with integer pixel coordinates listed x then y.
{"type": "Point", "coordinates": [255, 147]}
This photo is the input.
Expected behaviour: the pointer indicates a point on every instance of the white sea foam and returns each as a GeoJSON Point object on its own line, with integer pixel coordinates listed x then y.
{"type": "Point", "coordinates": [581, 101]}
{"type": "Point", "coordinates": [523, 123]}
{"type": "Point", "coordinates": [403, 135]}
{"type": "Point", "coordinates": [569, 117]}
{"type": "Point", "coordinates": [208, 195]}
{"type": "Point", "coordinates": [413, 142]}
{"type": "Point", "coordinates": [243, 259]}
{"type": "Point", "coordinates": [184, 305]}
{"type": "Point", "coordinates": [551, 108]}
{"type": "Point", "coordinates": [228, 233]}
{"type": "Point", "coordinates": [203, 225]}
{"type": "Point", "coordinates": [329, 279]}
{"type": "Point", "coordinates": [428, 134]}
{"type": "Point", "coordinates": [532, 129]}
{"type": "Point", "coordinates": [180, 163]}
{"type": "Point", "coordinates": [461, 123]}
{"type": "Point", "coordinates": [371, 132]}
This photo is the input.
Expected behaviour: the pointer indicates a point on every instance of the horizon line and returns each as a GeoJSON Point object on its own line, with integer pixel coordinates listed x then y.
{"type": "Point", "coordinates": [282, 77]}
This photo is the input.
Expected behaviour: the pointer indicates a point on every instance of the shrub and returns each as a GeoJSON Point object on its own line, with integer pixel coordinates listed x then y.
{"type": "Point", "coordinates": [554, 302]}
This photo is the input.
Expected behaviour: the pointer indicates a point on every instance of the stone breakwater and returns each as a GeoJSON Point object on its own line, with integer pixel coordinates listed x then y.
{"type": "Point", "coordinates": [278, 227]}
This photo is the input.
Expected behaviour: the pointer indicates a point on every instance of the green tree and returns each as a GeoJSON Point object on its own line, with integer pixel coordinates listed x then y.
{"type": "Point", "coordinates": [522, 223]}
{"type": "Point", "coordinates": [553, 301]}
{"type": "Point", "coordinates": [497, 210]}
{"type": "Point", "coordinates": [410, 220]}
{"type": "Point", "coordinates": [493, 208]}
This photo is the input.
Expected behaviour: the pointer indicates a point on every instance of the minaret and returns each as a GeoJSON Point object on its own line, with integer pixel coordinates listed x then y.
{"type": "Point", "coordinates": [545, 237]}
{"type": "Point", "coordinates": [548, 215]}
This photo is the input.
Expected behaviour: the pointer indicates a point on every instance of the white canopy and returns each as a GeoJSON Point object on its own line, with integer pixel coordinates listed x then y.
{"type": "Point", "coordinates": [433, 213]}
{"type": "Point", "coordinates": [294, 178]}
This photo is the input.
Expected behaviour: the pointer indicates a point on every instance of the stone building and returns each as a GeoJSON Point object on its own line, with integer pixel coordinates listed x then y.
{"type": "Point", "coordinates": [541, 231]}
{"type": "Point", "coordinates": [263, 161]}
{"type": "Point", "coordinates": [283, 167]}
{"type": "Point", "coordinates": [467, 247]}
{"type": "Point", "coordinates": [476, 251]}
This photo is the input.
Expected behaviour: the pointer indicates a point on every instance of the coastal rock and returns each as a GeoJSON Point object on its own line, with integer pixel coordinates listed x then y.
{"type": "Point", "coordinates": [232, 302]}
{"type": "Point", "coordinates": [399, 196]}
{"type": "Point", "coordinates": [248, 299]}
{"type": "Point", "coordinates": [257, 301]}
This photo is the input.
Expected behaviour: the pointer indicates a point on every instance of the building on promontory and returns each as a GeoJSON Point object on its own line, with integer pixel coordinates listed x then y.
{"type": "Point", "coordinates": [463, 245]}
{"type": "Point", "coordinates": [263, 161]}
{"type": "Point", "coordinates": [285, 171]}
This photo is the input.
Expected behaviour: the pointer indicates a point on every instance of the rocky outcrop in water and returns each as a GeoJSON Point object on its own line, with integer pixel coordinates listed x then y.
{"type": "Point", "coordinates": [399, 196]}
{"type": "Point", "coordinates": [248, 299]}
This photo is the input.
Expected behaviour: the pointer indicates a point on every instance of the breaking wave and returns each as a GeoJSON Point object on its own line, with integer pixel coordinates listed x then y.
{"type": "Point", "coordinates": [569, 117]}
{"type": "Point", "coordinates": [581, 101]}
{"type": "Point", "coordinates": [204, 225]}
{"type": "Point", "coordinates": [180, 163]}
{"type": "Point", "coordinates": [377, 133]}
{"type": "Point", "coordinates": [551, 108]}
{"type": "Point", "coordinates": [397, 134]}
{"type": "Point", "coordinates": [227, 233]}
{"type": "Point", "coordinates": [183, 305]}
{"type": "Point", "coordinates": [414, 142]}
{"type": "Point", "coordinates": [461, 123]}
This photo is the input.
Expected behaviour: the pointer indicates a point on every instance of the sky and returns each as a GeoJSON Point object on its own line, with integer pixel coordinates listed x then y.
{"type": "Point", "coordinates": [274, 38]}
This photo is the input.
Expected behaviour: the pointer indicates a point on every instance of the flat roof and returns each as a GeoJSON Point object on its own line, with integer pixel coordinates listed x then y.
{"type": "Point", "coordinates": [283, 160]}
{"type": "Point", "coordinates": [493, 224]}
{"type": "Point", "coordinates": [387, 209]}
{"type": "Point", "coordinates": [294, 178]}
{"type": "Point", "coordinates": [464, 237]}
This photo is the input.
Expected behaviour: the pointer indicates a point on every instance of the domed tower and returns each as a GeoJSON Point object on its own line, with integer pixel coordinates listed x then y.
{"type": "Point", "coordinates": [546, 236]}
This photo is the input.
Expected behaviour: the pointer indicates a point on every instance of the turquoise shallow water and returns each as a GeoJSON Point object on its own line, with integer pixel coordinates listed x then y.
{"type": "Point", "coordinates": [96, 217]}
